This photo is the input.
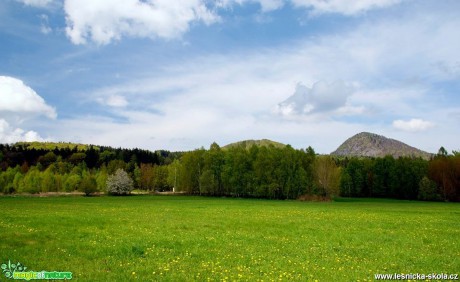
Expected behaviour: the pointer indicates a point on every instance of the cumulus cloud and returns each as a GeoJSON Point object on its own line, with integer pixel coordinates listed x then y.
{"type": "Point", "coordinates": [9, 134]}
{"type": "Point", "coordinates": [105, 21]}
{"type": "Point", "coordinates": [321, 97]}
{"type": "Point", "coordinates": [19, 102]}
{"type": "Point", "coordinates": [18, 98]}
{"type": "Point", "coordinates": [413, 125]}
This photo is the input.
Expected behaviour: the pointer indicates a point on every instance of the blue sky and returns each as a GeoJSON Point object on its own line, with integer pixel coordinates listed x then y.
{"type": "Point", "coordinates": [178, 75]}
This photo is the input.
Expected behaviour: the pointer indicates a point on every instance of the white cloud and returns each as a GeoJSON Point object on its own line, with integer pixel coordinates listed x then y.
{"type": "Point", "coordinates": [266, 5]}
{"type": "Point", "coordinates": [12, 135]}
{"type": "Point", "coordinates": [321, 97]}
{"type": "Point", "coordinates": [103, 21]}
{"type": "Point", "coordinates": [344, 7]}
{"type": "Point", "coordinates": [116, 101]}
{"type": "Point", "coordinates": [18, 98]}
{"type": "Point", "coordinates": [225, 98]}
{"type": "Point", "coordinates": [45, 26]}
{"type": "Point", "coordinates": [270, 5]}
{"type": "Point", "coordinates": [348, 8]}
{"type": "Point", "coordinates": [413, 125]}
{"type": "Point", "coordinates": [19, 103]}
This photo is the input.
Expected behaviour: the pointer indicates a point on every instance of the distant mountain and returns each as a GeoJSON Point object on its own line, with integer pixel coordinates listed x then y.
{"type": "Point", "coordinates": [260, 143]}
{"type": "Point", "coordinates": [367, 144]}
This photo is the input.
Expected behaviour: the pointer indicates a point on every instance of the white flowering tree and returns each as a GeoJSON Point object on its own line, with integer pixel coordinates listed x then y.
{"type": "Point", "coordinates": [119, 183]}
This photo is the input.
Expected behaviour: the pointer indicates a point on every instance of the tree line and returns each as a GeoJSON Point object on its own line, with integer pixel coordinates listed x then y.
{"type": "Point", "coordinates": [403, 178]}
{"type": "Point", "coordinates": [28, 169]}
{"type": "Point", "coordinates": [260, 171]}
{"type": "Point", "coordinates": [93, 156]}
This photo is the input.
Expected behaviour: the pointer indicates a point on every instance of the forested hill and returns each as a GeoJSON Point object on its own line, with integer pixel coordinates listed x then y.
{"type": "Point", "coordinates": [367, 144]}
{"type": "Point", "coordinates": [50, 146]}
{"type": "Point", "coordinates": [259, 143]}
{"type": "Point", "coordinates": [45, 153]}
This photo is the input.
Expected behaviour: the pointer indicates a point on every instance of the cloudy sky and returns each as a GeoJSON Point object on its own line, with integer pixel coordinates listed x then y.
{"type": "Point", "coordinates": [178, 75]}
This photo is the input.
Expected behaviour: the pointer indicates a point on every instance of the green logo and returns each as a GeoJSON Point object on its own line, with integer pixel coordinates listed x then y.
{"type": "Point", "coordinates": [18, 271]}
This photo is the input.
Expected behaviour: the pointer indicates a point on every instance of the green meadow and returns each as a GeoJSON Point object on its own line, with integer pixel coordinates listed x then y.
{"type": "Point", "coordinates": [184, 238]}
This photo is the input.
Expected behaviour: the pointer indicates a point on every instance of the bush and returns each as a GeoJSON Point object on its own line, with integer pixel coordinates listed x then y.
{"type": "Point", "coordinates": [428, 190]}
{"type": "Point", "coordinates": [119, 183]}
{"type": "Point", "coordinates": [72, 183]}
{"type": "Point", "coordinates": [88, 185]}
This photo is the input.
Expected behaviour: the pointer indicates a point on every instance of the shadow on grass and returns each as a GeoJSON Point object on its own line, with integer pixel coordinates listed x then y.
{"type": "Point", "coordinates": [369, 200]}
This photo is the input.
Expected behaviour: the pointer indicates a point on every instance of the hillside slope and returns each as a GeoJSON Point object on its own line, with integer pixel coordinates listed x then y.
{"type": "Point", "coordinates": [367, 144]}
{"type": "Point", "coordinates": [249, 143]}
{"type": "Point", "coordinates": [52, 145]}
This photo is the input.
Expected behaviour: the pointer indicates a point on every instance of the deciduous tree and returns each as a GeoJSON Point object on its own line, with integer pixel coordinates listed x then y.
{"type": "Point", "coordinates": [88, 185]}
{"type": "Point", "coordinates": [328, 175]}
{"type": "Point", "coordinates": [119, 183]}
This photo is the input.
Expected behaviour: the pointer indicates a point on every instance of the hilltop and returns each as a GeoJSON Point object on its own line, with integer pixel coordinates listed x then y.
{"type": "Point", "coordinates": [49, 146]}
{"type": "Point", "coordinates": [367, 144]}
{"type": "Point", "coordinates": [363, 144]}
{"type": "Point", "coordinates": [260, 143]}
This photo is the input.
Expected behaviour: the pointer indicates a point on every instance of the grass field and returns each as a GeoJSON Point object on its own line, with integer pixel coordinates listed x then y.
{"type": "Point", "coordinates": [180, 238]}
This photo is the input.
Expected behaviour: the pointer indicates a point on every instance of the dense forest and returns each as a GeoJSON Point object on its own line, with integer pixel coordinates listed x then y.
{"type": "Point", "coordinates": [238, 171]}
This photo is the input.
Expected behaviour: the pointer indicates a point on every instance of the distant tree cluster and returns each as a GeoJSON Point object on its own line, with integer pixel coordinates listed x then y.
{"type": "Point", "coordinates": [37, 167]}
{"type": "Point", "coordinates": [93, 156]}
{"type": "Point", "coordinates": [273, 172]}
{"type": "Point", "coordinates": [402, 178]}
{"type": "Point", "coordinates": [286, 173]}
{"type": "Point", "coordinates": [263, 172]}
